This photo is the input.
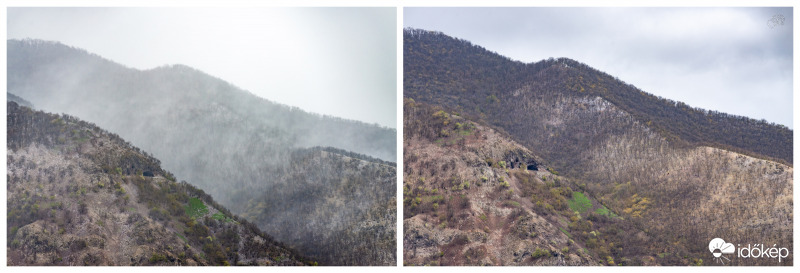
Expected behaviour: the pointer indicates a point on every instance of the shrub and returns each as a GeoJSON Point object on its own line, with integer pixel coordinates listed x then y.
{"type": "Point", "coordinates": [82, 209]}
{"type": "Point", "coordinates": [460, 239]}
{"type": "Point", "coordinates": [156, 258]}
{"type": "Point", "coordinates": [510, 203]}
{"type": "Point", "coordinates": [539, 253]}
{"type": "Point", "coordinates": [157, 214]}
{"type": "Point", "coordinates": [503, 183]}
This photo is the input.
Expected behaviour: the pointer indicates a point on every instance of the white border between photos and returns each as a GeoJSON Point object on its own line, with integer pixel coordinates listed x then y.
{"type": "Point", "coordinates": [399, 4]}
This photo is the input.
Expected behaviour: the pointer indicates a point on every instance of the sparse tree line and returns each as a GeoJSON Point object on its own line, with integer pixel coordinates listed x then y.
{"type": "Point", "coordinates": [318, 204]}
{"type": "Point", "coordinates": [63, 192]}
{"type": "Point", "coordinates": [457, 74]}
{"type": "Point", "coordinates": [638, 154]}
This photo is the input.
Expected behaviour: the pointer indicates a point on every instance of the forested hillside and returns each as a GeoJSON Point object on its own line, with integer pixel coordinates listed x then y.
{"type": "Point", "coordinates": [457, 74]}
{"type": "Point", "coordinates": [671, 171]}
{"type": "Point", "coordinates": [79, 195]}
{"type": "Point", "coordinates": [337, 207]}
{"type": "Point", "coordinates": [254, 156]}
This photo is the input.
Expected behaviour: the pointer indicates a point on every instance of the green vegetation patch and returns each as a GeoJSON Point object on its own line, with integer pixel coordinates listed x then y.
{"type": "Point", "coordinates": [579, 202]}
{"type": "Point", "coordinates": [465, 129]}
{"type": "Point", "coordinates": [606, 212]}
{"type": "Point", "coordinates": [565, 232]}
{"type": "Point", "coordinates": [433, 199]}
{"type": "Point", "coordinates": [510, 203]}
{"type": "Point", "coordinates": [222, 218]}
{"type": "Point", "coordinates": [196, 208]}
{"type": "Point", "coordinates": [540, 253]}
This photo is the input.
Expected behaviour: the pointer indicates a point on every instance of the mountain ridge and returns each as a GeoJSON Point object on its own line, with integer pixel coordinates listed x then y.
{"type": "Point", "coordinates": [508, 77]}
{"type": "Point", "coordinates": [651, 161]}
{"type": "Point", "coordinates": [79, 195]}
{"type": "Point", "coordinates": [28, 48]}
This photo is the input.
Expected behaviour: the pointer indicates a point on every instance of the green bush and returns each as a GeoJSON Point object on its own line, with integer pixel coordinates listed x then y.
{"type": "Point", "coordinates": [156, 258]}
{"type": "Point", "coordinates": [540, 253]}
{"type": "Point", "coordinates": [510, 203]}
{"type": "Point", "coordinates": [503, 183]}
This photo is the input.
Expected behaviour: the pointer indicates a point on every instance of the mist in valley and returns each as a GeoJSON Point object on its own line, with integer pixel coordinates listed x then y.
{"type": "Point", "coordinates": [238, 147]}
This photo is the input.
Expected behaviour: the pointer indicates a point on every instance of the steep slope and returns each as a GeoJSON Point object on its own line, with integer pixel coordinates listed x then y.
{"type": "Point", "coordinates": [242, 150]}
{"type": "Point", "coordinates": [203, 128]}
{"type": "Point", "coordinates": [457, 74]}
{"type": "Point", "coordinates": [348, 215]}
{"type": "Point", "coordinates": [78, 195]}
{"type": "Point", "coordinates": [18, 100]}
{"type": "Point", "coordinates": [473, 197]}
{"type": "Point", "coordinates": [668, 169]}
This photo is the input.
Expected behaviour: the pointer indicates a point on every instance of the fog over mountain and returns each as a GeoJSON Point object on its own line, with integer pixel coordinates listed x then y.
{"type": "Point", "coordinates": [225, 140]}
{"type": "Point", "coordinates": [79, 195]}
{"type": "Point", "coordinates": [324, 60]}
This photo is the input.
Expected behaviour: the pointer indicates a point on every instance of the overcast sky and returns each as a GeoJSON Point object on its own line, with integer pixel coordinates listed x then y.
{"type": "Point", "coordinates": [733, 60]}
{"type": "Point", "coordinates": [334, 61]}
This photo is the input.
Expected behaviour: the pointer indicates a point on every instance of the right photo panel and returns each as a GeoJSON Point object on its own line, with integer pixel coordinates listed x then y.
{"type": "Point", "coordinates": [598, 136]}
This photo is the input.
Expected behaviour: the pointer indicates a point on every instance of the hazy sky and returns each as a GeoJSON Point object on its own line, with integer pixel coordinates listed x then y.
{"type": "Point", "coordinates": [334, 61]}
{"type": "Point", "coordinates": [733, 60]}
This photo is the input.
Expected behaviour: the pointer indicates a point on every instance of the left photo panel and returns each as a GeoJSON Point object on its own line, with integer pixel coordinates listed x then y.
{"type": "Point", "coordinates": [201, 136]}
